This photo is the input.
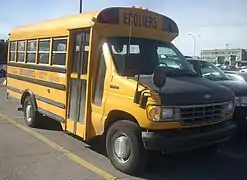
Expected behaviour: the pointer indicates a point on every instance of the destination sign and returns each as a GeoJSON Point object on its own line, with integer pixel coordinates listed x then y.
{"type": "Point", "coordinates": [140, 20]}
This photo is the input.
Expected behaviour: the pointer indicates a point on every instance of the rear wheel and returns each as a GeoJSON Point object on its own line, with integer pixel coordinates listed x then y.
{"type": "Point", "coordinates": [124, 147]}
{"type": "Point", "coordinates": [31, 117]}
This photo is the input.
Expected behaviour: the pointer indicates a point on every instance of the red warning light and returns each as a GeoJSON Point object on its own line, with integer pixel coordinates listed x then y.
{"type": "Point", "coordinates": [105, 17]}
{"type": "Point", "coordinates": [109, 16]}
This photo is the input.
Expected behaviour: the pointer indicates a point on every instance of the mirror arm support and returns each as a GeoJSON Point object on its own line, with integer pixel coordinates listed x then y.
{"type": "Point", "coordinates": [137, 96]}
{"type": "Point", "coordinates": [137, 92]}
{"type": "Point", "coordinates": [159, 80]}
{"type": "Point", "coordinates": [143, 100]}
{"type": "Point", "coordinates": [159, 91]}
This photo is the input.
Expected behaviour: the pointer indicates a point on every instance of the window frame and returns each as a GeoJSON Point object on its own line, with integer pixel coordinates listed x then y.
{"type": "Point", "coordinates": [21, 51]}
{"type": "Point", "coordinates": [48, 52]}
{"type": "Point", "coordinates": [14, 51]}
{"type": "Point", "coordinates": [59, 52]}
{"type": "Point", "coordinates": [27, 51]}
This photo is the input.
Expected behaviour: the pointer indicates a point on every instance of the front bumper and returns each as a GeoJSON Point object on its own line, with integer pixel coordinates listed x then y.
{"type": "Point", "coordinates": [240, 117]}
{"type": "Point", "coordinates": [183, 139]}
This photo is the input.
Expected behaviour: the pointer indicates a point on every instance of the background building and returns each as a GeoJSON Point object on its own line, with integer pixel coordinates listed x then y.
{"type": "Point", "coordinates": [222, 55]}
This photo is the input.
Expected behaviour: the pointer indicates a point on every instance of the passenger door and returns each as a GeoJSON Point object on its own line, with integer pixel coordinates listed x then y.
{"type": "Point", "coordinates": [77, 96]}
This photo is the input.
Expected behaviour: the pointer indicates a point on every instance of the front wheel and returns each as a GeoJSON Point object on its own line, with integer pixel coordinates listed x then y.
{"type": "Point", "coordinates": [124, 147]}
{"type": "Point", "coordinates": [31, 117]}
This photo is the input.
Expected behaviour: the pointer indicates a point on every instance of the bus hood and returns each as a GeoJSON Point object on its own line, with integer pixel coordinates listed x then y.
{"type": "Point", "coordinates": [180, 91]}
{"type": "Point", "coordinates": [238, 87]}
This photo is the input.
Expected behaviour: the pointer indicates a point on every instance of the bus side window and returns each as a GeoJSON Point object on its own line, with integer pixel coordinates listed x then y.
{"type": "Point", "coordinates": [59, 51]}
{"type": "Point", "coordinates": [21, 51]}
{"type": "Point", "coordinates": [44, 51]}
{"type": "Point", "coordinates": [100, 80]}
{"type": "Point", "coordinates": [12, 51]}
{"type": "Point", "coordinates": [31, 51]}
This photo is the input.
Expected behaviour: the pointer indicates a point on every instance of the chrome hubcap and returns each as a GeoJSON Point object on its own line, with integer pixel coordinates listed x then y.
{"type": "Point", "coordinates": [121, 148]}
{"type": "Point", "coordinates": [28, 112]}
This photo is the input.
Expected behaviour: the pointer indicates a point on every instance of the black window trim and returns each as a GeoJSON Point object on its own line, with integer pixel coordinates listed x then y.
{"type": "Point", "coordinates": [101, 64]}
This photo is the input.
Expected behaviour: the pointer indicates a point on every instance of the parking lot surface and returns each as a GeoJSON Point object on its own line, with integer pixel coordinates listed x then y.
{"type": "Point", "coordinates": [49, 153]}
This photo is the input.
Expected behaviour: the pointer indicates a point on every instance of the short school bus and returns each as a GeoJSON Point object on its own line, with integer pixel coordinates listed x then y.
{"type": "Point", "coordinates": [93, 73]}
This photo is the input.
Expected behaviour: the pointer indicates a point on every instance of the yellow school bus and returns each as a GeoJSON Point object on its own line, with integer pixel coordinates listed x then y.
{"type": "Point", "coordinates": [115, 73]}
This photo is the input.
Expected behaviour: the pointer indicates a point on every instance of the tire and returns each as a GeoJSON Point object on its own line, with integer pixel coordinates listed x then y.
{"type": "Point", "coordinates": [31, 116]}
{"type": "Point", "coordinates": [129, 132]}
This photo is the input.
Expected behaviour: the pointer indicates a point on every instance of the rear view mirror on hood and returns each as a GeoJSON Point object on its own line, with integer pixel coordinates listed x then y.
{"type": "Point", "coordinates": [159, 77]}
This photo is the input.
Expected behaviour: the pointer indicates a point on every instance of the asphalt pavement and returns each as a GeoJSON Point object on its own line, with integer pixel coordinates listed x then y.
{"type": "Point", "coordinates": [49, 154]}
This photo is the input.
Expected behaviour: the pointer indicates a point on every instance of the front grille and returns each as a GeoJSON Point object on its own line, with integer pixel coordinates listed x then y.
{"type": "Point", "coordinates": [202, 114]}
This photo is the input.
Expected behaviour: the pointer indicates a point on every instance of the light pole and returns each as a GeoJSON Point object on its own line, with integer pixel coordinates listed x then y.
{"type": "Point", "coordinates": [194, 41]}
{"type": "Point", "coordinates": [226, 54]}
{"type": "Point", "coordinates": [81, 6]}
{"type": "Point", "coordinates": [227, 45]}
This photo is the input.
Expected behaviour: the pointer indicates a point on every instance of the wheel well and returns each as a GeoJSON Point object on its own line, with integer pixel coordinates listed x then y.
{"type": "Point", "coordinates": [23, 97]}
{"type": "Point", "coordinates": [26, 94]}
{"type": "Point", "coordinates": [117, 115]}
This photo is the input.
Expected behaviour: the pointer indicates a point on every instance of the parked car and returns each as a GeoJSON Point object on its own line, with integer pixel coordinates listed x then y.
{"type": "Point", "coordinates": [243, 70]}
{"type": "Point", "coordinates": [230, 68]}
{"type": "Point", "coordinates": [210, 71]}
{"type": "Point", "coordinates": [237, 75]}
{"type": "Point", "coordinates": [3, 70]}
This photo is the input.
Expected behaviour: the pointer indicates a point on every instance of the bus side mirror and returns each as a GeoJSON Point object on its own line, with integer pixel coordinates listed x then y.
{"type": "Point", "coordinates": [159, 77]}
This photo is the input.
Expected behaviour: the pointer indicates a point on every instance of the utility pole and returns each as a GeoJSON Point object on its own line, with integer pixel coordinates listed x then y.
{"type": "Point", "coordinates": [81, 6]}
{"type": "Point", "coordinates": [194, 42]}
{"type": "Point", "coordinates": [226, 55]}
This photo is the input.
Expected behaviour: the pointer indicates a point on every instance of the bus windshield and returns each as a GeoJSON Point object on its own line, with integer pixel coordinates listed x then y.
{"type": "Point", "coordinates": [133, 56]}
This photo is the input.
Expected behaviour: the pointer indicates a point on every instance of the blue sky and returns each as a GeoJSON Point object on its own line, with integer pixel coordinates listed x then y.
{"type": "Point", "coordinates": [216, 21]}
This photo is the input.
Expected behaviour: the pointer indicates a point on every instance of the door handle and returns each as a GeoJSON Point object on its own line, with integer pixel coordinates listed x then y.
{"type": "Point", "coordinates": [112, 86]}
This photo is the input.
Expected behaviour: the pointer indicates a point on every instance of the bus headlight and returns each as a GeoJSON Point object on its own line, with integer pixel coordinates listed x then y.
{"type": "Point", "coordinates": [170, 114]}
{"type": "Point", "coordinates": [154, 112]}
{"type": "Point", "coordinates": [241, 101]}
{"type": "Point", "coordinates": [229, 108]}
{"type": "Point", "coordinates": [162, 114]}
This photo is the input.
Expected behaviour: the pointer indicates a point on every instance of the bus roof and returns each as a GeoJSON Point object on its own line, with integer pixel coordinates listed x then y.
{"type": "Point", "coordinates": [60, 25]}
{"type": "Point", "coordinates": [111, 15]}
